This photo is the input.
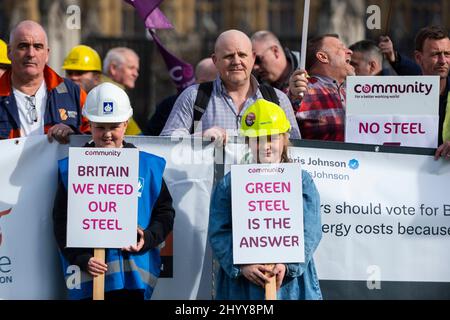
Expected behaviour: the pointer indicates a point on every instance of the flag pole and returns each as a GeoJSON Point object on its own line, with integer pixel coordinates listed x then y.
{"type": "Point", "coordinates": [388, 19]}
{"type": "Point", "coordinates": [304, 34]}
{"type": "Point", "coordinates": [304, 37]}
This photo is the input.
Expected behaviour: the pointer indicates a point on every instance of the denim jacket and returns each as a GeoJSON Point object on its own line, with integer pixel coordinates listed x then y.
{"type": "Point", "coordinates": [300, 281]}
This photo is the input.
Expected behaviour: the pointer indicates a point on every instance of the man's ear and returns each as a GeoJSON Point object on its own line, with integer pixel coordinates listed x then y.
{"type": "Point", "coordinates": [276, 51]}
{"type": "Point", "coordinates": [418, 57]}
{"type": "Point", "coordinates": [112, 69]}
{"type": "Point", "coordinates": [48, 56]}
{"type": "Point", "coordinates": [372, 66]}
{"type": "Point", "coordinates": [322, 57]}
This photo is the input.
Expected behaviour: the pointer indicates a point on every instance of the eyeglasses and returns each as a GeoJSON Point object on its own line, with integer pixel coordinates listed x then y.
{"type": "Point", "coordinates": [259, 58]}
{"type": "Point", "coordinates": [32, 112]}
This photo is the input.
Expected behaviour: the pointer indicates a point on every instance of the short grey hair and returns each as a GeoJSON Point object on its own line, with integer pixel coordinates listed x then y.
{"type": "Point", "coordinates": [265, 36]}
{"type": "Point", "coordinates": [117, 56]}
{"type": "Point", "coordinates": [27, 24]}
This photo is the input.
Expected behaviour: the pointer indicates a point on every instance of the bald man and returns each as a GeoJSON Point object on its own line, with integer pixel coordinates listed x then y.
{"type": "Point", "coordinates": [34, 99]}
{"type": "Point", "coordinates": [233, 92]}
{"type": "Point", "coordinates": [205, 71]}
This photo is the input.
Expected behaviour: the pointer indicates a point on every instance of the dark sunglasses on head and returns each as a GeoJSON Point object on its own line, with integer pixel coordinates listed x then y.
{"type": "Point", "coordinates": [259, 58]}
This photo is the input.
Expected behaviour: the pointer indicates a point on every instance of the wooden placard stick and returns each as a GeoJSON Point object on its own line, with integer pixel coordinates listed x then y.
{"type": "Point", "coordinates": [271, 286]}
{"type": "Point", "coordinates": [99, 281]}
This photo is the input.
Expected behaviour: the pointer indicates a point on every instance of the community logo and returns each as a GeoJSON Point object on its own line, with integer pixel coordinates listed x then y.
{"type": "Point", "coordinates": [3, 213]}
{"type": "Point", "coordinates": [108, 107]}
{"type": "Point", "coordinates": [250, 119]}
{"type": "Point", "coordinates": [353, 164]}
{"type": "Point", "coordinates": [416, 87]}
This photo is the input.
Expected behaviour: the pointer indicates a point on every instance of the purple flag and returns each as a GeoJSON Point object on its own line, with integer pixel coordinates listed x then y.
{"type": "Point", "coordinates": [149, 12]}
{"type": "Point", "coordinates": [157, 20]}
{"type": "Point", "coordinates": [180, 72]}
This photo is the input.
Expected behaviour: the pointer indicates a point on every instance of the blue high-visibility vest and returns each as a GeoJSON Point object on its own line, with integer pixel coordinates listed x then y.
{"type": "Point", "coordinates": [126, 270]}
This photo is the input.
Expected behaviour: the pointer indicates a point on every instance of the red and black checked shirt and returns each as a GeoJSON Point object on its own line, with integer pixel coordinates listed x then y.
{"type": "Point", "coordinates": [321, 114]}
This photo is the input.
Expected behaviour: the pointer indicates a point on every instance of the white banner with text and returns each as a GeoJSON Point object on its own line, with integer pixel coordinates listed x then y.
{"type": "Point", "coordinates": [385, 216]}
{"type": "Point", "coordinates": [381, 211]}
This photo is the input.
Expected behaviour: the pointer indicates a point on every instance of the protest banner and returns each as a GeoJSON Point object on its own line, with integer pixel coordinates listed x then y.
{"type": "Point", "coordinates": [382, 213]}
{"type": "Point", "coordinates": [102, 201]}
{"type": "Point", "coordinates": [355, 259]}
{"type": "Point", "coordinates": [267, 216]}
{"type": "Point", "coordinates": [29, 262]}
{"type": "Point", "coordinates": [102, 197]}
{"type": "Point", "coordinates": [393, 110]}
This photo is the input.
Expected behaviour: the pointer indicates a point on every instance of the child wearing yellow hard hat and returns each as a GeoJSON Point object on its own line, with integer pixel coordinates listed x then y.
{"type": "Point", "coordinates": [266, 129]}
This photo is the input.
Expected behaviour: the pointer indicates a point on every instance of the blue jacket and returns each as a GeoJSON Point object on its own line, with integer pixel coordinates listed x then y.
{"type": "Point", "coordinates": [64, 103]}
{"type": "Point", "coordinates": [131, 271]}
{"type": "Point", "coordinates": [300, 282]}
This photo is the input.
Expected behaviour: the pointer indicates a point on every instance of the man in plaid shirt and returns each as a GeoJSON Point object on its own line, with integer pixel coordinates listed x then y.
{"type": "Point", "coordinates": [319, 102]}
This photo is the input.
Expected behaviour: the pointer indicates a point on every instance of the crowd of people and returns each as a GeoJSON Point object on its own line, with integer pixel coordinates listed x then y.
{"type": "Point", "coordinates": [243, 75]}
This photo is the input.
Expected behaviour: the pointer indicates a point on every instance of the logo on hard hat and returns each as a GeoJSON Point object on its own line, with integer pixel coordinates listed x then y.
{"type": "Point", "coordinates": [250, 119]}
{"type": "Point", "coordinates": [108, 107]}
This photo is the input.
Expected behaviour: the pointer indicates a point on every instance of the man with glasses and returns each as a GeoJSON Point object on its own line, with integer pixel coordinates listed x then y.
{"type": "Point", "coordinates": [34, 100]}
{"type": "Point", "coordinates": [273, 64]}
{"type": "Point", "coordinates": [320, 100]}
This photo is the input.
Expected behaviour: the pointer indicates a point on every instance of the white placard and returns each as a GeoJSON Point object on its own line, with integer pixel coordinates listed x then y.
{"type": "Point", "coordinates": [102, 197]}
{"type": "Point", "coordinates": [393, 110]}
{"type": "Point", "coordinates": [267, 213]}
{"type": "Point", "coordinates": [385, 216]}
{"type": "Point", "coordinates": [412, 131]}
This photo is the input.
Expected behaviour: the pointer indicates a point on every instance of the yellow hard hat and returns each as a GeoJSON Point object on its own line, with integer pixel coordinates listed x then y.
{"type": "Point", "coordinates": [264, 118]}
{"type": "Point", "coordinates": [82, 58]}
{"type": "Point", "coordinates": [4, 53]}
